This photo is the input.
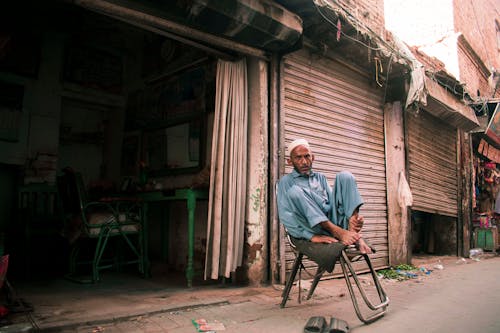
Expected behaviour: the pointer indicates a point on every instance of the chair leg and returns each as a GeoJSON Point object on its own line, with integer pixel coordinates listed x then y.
{"type": "Point", "coordinates": [99, 251]}
{"type": "Point", "coordinates": [136, 250]}
{"type": "Point", "coordinates": [317, 277]}
{"type": "Point", "coordinates": [380, 308]}
{"type": "Point", "coordinates": [289, 283]}
{"type": "Point", "coordinates": [72, 259]}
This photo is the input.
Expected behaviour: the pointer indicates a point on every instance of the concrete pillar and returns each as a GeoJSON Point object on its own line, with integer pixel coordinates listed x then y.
{"type": "Point", "coordinates": [257, 187]}
{"type": "Point", "coordinates": [399, 224]}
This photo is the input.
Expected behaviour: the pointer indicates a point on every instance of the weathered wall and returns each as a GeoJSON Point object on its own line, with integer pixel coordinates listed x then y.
{"type": "Point", "coordinates": [477, 21]}
{"type": "Point", "coordinates": [475, 80]}
{"type": "Point", "coordinates": [368, 12]}
{"type": "Point", "coordinates": [256, 235]}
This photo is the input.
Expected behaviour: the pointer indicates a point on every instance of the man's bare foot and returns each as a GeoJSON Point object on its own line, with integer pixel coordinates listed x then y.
{"type": "Point", "coordinates": [349, 237]}
{"type": "Point", "coordinates": [363, 247]}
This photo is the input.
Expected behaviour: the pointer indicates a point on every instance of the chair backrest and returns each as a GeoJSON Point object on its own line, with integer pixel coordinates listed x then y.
{"type": "Point", "coordinates": [71, 191]}
{"type": "Point", "coordinates": [289, 239]}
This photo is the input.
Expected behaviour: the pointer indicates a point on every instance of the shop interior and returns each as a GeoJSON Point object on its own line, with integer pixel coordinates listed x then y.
{"type": "Point", "coordinates": [433, 234]}
{"type": "Point", "coordinates": [486, 196]}
{"type": "Point", "coordinates": [436, 234]}
{"type": "Point", "coordinates": [127, 109]}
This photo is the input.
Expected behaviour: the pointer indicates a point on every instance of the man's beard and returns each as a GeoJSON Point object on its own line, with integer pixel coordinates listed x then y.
{"type": "Point", "coordinates": [302, 173]}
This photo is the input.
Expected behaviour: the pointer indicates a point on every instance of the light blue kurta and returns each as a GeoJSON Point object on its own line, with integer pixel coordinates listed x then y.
{"type": "Point", "coordinates": [305, 201]}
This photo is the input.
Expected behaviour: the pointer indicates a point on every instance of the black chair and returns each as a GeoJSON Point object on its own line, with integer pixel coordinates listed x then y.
{"type": "Point", "coordinates": [347, 257]}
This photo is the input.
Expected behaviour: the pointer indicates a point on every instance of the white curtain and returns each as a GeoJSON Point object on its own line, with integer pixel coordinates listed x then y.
{"type": "Point", "coordinates": [226, 206]}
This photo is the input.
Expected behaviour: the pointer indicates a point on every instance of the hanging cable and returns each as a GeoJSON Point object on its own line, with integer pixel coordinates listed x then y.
{"type": "Point", "coordinates": [373, 35]}
{"type": "Point", "coordinates": [387, 77]}
{"type": "Point", "coordinates": [341, 32]}
{"type": "Point", "coordinates": [378, 67]}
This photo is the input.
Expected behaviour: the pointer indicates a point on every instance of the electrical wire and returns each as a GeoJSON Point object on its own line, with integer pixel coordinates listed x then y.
{"type": "Point", "coordinates": [343, 33]}
{"type": "Point", "coordinates": [372, 34]}
{"type": "Point", "coordinates": [378, 67]}
{"type": "Point", "coordinates": [387, 77]}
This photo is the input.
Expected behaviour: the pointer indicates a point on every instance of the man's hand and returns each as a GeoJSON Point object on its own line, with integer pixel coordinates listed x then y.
{"type": "Point", "coordinates": [323, 239]}
{"type": "Point", "coordinates": [356, 222]}
{"type": "Point", "coordinates": [346, 237]}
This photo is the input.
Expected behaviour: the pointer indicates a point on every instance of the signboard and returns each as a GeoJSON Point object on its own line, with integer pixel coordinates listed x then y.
{"type": "Point", "coordinates": [493, 129]}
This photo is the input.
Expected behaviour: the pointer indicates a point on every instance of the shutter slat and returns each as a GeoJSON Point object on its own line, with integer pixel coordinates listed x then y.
{"type": "Point", "coordinates": [341, 115]}
{"type": "Point", "coordinates": [433, 165]}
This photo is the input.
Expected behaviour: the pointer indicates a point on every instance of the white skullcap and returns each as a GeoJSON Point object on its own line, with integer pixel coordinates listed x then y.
{"type": "Point", "coordinates": [295, 143]}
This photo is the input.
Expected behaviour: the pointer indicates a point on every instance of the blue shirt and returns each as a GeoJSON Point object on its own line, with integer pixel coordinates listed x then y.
{"type": "Point", "coordinates": [303, 202]}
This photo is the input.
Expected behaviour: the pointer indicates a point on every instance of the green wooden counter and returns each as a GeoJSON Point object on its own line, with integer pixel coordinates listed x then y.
{"type": "Point", "coordinates": [188, 195]}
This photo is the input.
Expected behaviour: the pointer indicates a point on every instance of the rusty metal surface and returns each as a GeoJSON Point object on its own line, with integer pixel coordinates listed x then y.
{"type": "Point", "coordinates": [432, 164]}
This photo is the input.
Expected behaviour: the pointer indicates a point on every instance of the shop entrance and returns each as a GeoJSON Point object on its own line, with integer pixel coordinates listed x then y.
{"type": "Point", "coordinates": [113, 102]}
{"type": "Point", "coordinates": [433, 234]}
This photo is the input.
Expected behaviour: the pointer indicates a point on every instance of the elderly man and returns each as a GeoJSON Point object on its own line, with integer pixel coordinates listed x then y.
{"type": "Point", "coordinates": [320, 221]}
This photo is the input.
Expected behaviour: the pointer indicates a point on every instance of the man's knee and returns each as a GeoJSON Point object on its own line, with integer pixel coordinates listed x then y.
{"type": "Point", "coordinates": [345, 174]}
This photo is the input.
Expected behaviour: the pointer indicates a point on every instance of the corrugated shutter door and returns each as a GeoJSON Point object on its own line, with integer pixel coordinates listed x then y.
{"type": "Point", "coordinates": [342, 117]}
{"type": "Point", "coordinates": [432, 153]}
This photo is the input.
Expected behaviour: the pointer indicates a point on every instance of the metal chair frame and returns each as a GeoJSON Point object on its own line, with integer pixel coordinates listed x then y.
{"type": "Point", "coordinates": [125, 221]}
{"type": "Point", "coordinates": [347, 257]}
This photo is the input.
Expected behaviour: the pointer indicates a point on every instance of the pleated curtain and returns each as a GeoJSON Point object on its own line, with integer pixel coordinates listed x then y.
{"type": "Point", "coordinates": [227, 198]}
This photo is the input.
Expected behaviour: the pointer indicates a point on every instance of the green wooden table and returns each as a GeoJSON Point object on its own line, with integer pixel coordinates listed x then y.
{"type": "Point", "coordinates": [188, 195]}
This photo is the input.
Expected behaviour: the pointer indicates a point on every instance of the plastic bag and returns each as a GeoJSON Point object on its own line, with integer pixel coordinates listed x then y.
{"type": "Point", "coordinates": [405, 198]}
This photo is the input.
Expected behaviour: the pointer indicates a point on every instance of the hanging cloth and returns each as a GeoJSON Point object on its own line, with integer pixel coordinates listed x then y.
{"type": "Point", "coordinates": [405, 198]}
{"type": "Point", "coordinates": [227, 196]}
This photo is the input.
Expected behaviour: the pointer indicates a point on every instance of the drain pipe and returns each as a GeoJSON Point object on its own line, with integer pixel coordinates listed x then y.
{"type": "Point", "coordinates": [274, 144]}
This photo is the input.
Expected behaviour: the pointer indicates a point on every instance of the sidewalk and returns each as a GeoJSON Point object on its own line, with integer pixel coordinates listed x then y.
{"type": "Point", "coordinates": [150, 308]}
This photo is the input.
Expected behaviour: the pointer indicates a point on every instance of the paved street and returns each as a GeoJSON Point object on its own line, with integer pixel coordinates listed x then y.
{"type": "Point", "coordinates": [462, 297]}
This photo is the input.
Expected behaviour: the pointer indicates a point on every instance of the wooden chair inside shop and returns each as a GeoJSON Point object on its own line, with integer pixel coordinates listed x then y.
{"type": "Point", "coordinates": [346, 259]}
{"type": "Point", "coordinates": [103, 234]}
{"type": "Point", "coordinates": [40, 220]}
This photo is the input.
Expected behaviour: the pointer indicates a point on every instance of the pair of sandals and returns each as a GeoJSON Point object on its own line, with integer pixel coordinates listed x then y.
{"type": "Point", "coordinates": [319, 325]}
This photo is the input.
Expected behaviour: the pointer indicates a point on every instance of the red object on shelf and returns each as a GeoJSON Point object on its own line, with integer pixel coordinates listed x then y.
{"type": "Point", "coordinates": [4, 264]}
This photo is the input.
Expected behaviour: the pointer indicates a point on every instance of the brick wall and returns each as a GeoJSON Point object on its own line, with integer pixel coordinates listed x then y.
{"type": "Point", "coordinates": [476, 21]}
{"type": "Point", "coordinates": [470, 74]}
{"type": "Point", "coordinates": [368, 12]}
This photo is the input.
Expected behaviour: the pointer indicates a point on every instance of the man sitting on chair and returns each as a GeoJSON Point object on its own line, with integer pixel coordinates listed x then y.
{"type": "Point", "coordinates": [320, 221]}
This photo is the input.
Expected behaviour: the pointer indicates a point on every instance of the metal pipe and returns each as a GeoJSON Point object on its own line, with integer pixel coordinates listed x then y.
{"type": "Point", "coordinates": [274, 238]}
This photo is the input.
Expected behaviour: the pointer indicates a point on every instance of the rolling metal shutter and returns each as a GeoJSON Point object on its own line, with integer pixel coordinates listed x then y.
{"type": "Point", "coordinates": [341, 115]}
{"type": "Point", "coordinates": [432, 155]}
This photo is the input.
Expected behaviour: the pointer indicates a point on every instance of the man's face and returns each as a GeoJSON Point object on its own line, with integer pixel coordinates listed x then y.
{"type": "Point", "coordinates": [301, 158]}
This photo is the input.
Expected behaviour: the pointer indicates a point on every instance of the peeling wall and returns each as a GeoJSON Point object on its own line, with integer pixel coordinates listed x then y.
{"type": "Point", "coordinates": [256, 211]}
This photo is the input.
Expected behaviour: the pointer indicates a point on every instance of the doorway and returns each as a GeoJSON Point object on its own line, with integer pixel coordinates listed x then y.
{"type": "Point", "coordinates": [433, 234]}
